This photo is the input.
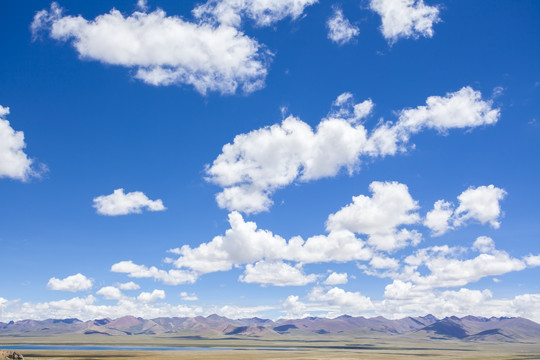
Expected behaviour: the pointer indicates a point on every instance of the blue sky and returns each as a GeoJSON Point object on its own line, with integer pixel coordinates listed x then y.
{"type": "Point", "coordinates": [427, 113]}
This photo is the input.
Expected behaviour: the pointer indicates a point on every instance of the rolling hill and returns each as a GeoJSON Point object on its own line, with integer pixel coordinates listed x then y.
{"type": "Point", "coordinates": [468, 328]}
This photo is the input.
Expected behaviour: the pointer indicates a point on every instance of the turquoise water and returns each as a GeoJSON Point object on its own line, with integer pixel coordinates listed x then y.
{"type": "Point", "coordinates": [123, 348]}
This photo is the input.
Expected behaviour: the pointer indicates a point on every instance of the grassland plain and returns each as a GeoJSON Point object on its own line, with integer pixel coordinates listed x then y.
{"type": "Point", "coordinates": [391, 347]}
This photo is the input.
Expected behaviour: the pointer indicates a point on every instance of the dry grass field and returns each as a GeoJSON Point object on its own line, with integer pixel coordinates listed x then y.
{"type": "Point", "coordinates": [293, 348]}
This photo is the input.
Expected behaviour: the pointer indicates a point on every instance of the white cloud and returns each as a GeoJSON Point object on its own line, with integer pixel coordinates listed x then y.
{"type": "Point", "coordinates": [256, 164]}
{"type": "Point", "coordinates": [484, 244]}
{"type": "Point", "coordinates": [344, 107]}
{"type": "Point", "coordinates": [147, 297]}
{"type": "Point", "coordinates": [405, 18]}
{"type": "Point", "coordinates": [380, 216]}
{"type": "Point", "coordinates": [400, 290]}
{"type": "Point", "coordinates": [447, 270]}
{"type": "Point", "coordinates": [3, 305]}
{"type": "Point", "coordinates": [525, 305]}
{"type": "Point", "coordinates": [348, 302]}
{"type": "Point", "coordinates": [443, 267]}
{"type": "Point", "coordinates": [238, 312]}
{"type": "Point", "coordinates": [77, 282]}
{"type": "Point", "coordinates": [171, 277]}
{"type": "Point", "coordinates": [188, 297]}
{"type": "Point", "coordinates": [336, 279]}
{"type": "Point", "coordinates": [481, 204]}
{"type": "Point", "coordinates": [438, 219]}
{"type": "Point", "coordinates": [396, 304]}
{"type": "Point", "coordinates": [259, 162]}
{"type": "Point", "coordinates": [110, 293]}
{"type": "Point", "coordinates": [364, 231]}
{"type": "Point", "coordinates": [263, 12]}
{"type": "Point", "coordinates": [163, 49]}
{"type": "Point", "coordinates": [294, 308]}
{"type": "Point", "coordinates": [14, 163]}
{"type": "Point", "coordinates": [142, 5]}
{"type": "Point", "coordinates": [128, 286]}
{"type": "Point", "coordinates": [532, 260]}
{"type": "Point", "coordinates": [276, 273]}
{"type": "Point", "coordinates": [404, 298]}
{"type": "Point", "coordinates": [461, 109]}
{"type": "Point", "coordinates": [340, 30]}
{"type": "Point", "coordinates": [88, 309]}
{"type": "Point", "coordinates": [383, 262]}
{"type": "Point", "coordinates": [243, 243]}
{"type": "Point", "coordinates": [410, 301]}
{"type": "Point", "coordinates": [119, 203]}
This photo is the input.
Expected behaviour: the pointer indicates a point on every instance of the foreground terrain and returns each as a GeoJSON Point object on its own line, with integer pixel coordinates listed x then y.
{"type": "Point", "coordinates": [216, 337]}
{"type": "Point", "coordinates": [391, 347]}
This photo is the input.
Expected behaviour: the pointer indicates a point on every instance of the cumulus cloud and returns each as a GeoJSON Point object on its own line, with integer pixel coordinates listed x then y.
{"type": "Point", "coordinates": [120, 203]}
{"type": "Point", "coordinates": [171, 277]}
{"type": "Point", "coordinates": [401, 300]}
{"type": "Point", "coordinates": [88, 308]}
{"type": "Point", "coordinates": [110, 293]}
{"type": "Point", "coordinates": [380, 216]}
{"type": "Point", "coordinates": [361, 231]}
{"type": "Point", "coordinates": [161, 49]}
{"type": "Point", "coordinates": [238, 312]}
{"type": "Point", "coordinates": [262, 12]}
{"type": "Point", "coordinates": [14, 163]}
{"type": "Point", "coordinates": [188, 297]}
{"type": "Point", "coordinates": [380, 219]}
{"type": "Point", "coordinates": [142, 5]}
{"type": "Point", "coordinates": [484, 244]}
{"type": "Point", "coordinates": [345, 107]}
{"type": "Point", "coordinates": [276, 273]}
{"type": "Point", "coordinates": [243, 243]}
{"type": "Point", "coordinates": [405, 298]}
{"type": "Point", "coordinates": [130, 285]}
{"type": "Point", "coordinates": [256, 164]}
{"type": "Point", "coordinates": [447, 269]}
{"type": "Point", "coordinates": [147, 297]}
{"type": "Point", "coordinates": [405, 18]}
{"type": "Point", "coordinates": [444, 267]}
{"type": "Point", "coordinates": [77, 282]}
{"type": "Point", "coordinates": [294, 309]}
{"type": "Point", "coordinates": [383, 262]}
{"type": "Point", "coordinates": [480, 204]}
{"type": "Point", "coordinates": [336, 279]}
{"type": "Point", "coordinates": [461, 109]}
{"type": "Point", "coordinates": [366, 230]}
{"type": "Point", "coordinates": [348, 302]}
{"type": "Point", "coordinates": [438, 219]}
{"type": "Point", "coordinates": [340, 30]}
{"type": "Point", "coordinates": [532, 260]}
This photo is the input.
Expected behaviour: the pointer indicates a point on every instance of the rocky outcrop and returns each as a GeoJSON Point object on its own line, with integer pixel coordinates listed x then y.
{"type": "Point", "coordinates": [10, 355]}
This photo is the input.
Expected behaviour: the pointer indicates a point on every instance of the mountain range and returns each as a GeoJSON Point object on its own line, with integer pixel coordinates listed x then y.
{"type": "Point", "coordinates": [468, 328]}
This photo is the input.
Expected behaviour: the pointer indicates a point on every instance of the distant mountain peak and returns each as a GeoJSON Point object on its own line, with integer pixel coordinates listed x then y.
{"type": "Point", "coordinates": [467, 328]}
